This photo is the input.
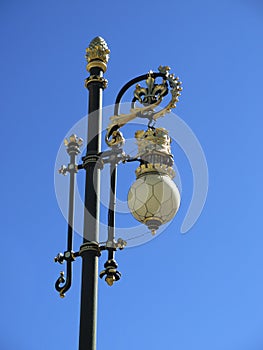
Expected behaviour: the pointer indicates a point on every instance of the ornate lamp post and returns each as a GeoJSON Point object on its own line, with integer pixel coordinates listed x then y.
{"type": "Point", "coordinates": [153, 198]}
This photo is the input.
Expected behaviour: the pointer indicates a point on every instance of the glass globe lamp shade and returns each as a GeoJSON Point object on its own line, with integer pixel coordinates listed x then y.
{"type": "Point", "coordinates": [153, 199]}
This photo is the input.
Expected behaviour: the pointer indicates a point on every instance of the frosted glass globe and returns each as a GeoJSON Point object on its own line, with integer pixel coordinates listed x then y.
{"type": "Point", "coordinates": [153, 199]}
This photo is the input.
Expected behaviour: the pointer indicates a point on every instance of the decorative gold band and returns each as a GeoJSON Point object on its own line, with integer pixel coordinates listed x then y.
{"type": "Point", "coordinates": [98, 64]}
{"type": "Point", "coordinates": [90, 246]}
{"type": "Point", "coordinates": [96, 78]}
{"type": "Point", "coordinates": [155, 168]}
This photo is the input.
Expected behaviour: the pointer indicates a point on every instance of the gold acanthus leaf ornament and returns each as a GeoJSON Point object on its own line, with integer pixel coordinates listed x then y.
{"type": "Point", "coordinates": [153, 140]}
{"type": "Point", "coordinates": [150, 97]}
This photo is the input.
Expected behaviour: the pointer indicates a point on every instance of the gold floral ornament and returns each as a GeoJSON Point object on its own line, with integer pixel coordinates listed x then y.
{"type": "Point", "coordinates": [149, 97]}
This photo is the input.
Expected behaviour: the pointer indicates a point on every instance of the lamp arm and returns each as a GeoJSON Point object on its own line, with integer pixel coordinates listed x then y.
{"type": "Point", "coordinates": [150, 97]}
{"type": "Point", "coordinates": [117, 123]}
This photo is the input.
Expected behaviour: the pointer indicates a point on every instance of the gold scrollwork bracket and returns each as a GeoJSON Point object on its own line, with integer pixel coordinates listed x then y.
{"type": "Point", "coordinates": [149, 97]}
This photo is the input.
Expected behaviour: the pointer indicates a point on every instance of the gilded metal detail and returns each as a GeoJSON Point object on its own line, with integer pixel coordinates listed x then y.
{"type": "Point", "coordinates": [90, 246]}
{"type": "Point", "coordinates": [73, 139]}
{"type": "Point", "coordinates": [73, 145]}
{"type": "Point", "coordinates": [153, 223]}
{"type": "Point", "coordinates": [150, 97]}
{"type": "Point", "coordinates": [117, 121]}
{"type": "Point", "coordinates": [121, 243]}
{"type": "Point", "coordinates": [110, 280]}
{"type": "Point", "coordinates": [63, 170]}
{"type": "Point", "coordinates": [154, 168]}
{"type": "Point", "coordinates": [111, 273]}
{"type": "Point", "coordinates": [97, 50]}
{"type": "Point", "coordinates": [156, 139]}
{"type": "Point", "coordinates": [61, 280]}
{"type": "Point", "coordinates": [59, 258]}
{"type": "Point", "coordinates": [98, 79]}
{"type": "Point", "coordinates": [93, 158]}
{"type": "Point", "coordinates": [152, 93]}
{"type": "Point", "coordinates": [154, 149]}
{"type": "Point", "coordinates": [116, 139]}
{"type": "Point", "coordinates": [97, 64]}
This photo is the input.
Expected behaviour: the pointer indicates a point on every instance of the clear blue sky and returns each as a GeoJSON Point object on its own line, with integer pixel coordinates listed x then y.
{"type": "Point", "coordinates": [198, 291]}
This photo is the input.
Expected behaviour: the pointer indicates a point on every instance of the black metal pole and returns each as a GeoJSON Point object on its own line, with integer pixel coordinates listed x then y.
{"type": "Point", "coordinates": [97, 55]}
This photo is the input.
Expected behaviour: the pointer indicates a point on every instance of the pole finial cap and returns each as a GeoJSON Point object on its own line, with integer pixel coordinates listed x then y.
{"type": "Point", "coordinates": [97, 54]}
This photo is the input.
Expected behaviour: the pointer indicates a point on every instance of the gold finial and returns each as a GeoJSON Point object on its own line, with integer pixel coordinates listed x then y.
{"type": "Point", "coordinates": [73, 139]}
{"type": "Point", "coordinates": [110, 280]}
{"type": "Point", "coordinates": [97, 54]}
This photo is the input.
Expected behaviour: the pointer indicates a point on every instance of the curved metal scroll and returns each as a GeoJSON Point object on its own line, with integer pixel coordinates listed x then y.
{"type": "Point", "coordinates": [62, 285]}
{"type": "Point", "coordinates": [150, 97]}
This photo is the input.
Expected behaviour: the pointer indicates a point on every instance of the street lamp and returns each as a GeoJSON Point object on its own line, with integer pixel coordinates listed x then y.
{"type": "Point", "coordinates": [153, 198]}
